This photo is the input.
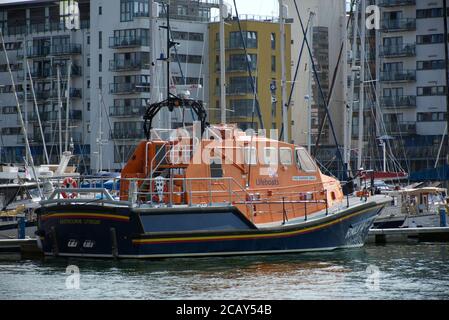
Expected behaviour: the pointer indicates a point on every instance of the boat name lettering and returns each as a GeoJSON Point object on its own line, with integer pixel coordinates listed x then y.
{"type": "Point", "coordinates": [80, 221]}
{"type": "Point", "coordinates": [267, 182]}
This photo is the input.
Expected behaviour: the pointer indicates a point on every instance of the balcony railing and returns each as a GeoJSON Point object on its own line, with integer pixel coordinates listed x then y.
{"type": "Point", "coordinates": [127, 134]}
{"type": "Point", "coordinates": [400, 128]}
{"type": "Point", "coordinates": [66, 49]}
{"type": "Point", "coordinates": [53, 138]}
{"type": "Point", "coordinates": [400, 76]}
{"type": "Point", "coordinates": [127, 65]}
{"type": "Point", "coordinates": [125, 42]}
{"type": "Point", "coordinates": [74, 115]}
{"type": "Point", "coordinates": [52, 73]}
{"type": "Point", "coordinates": [40, 51]}
{"type": "Point", "coordinates": [56, 50]}
{"type": "Point", "coordinates": [129, 88]}
{"type": "Point", "coordinates": [396, 3]}
{"type": "Point", "coordinates": [398, 25]}
{"type": "Point", "coordinates": [129, 111]}
{"type": "Point", "coordinates": [399, 102]}
{"type": "Point", "coordinates": [42, 95]}
{"type": "Point", "coordinates": [407, 50]}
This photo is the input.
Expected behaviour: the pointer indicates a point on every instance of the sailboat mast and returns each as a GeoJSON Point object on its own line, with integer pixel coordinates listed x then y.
{"type": "Point", "coordinates": [44, 145]}
{"type": "Point", "coordinates": [69, 70]}
{"type": "Point", "coordinates": [355, 26]}
{"type": "Point", "coordinates": [223, 63]}
{"type": "Point", "coordinates": [309, 100]}
{"type": "Point", "coordinates": [58, 67]}
{"type": "Point", "coordinates": [346, 114]}
{"type": "Point", "coordinates": [362, 86]}
{"type": "Point", "coordinates": [19, 113]}
{"type": "Point", "coordinates": [168, 51]}
{"type": "Point", "coordinates": [282, 11]}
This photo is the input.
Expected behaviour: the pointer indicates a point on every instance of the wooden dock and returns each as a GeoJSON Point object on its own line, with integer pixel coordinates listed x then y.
{"type": "Point", "coordinates": [25, 247]}
{"type": "Point", "coordinates": [408, 235]}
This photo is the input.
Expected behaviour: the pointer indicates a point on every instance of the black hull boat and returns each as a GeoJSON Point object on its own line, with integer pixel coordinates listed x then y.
{"type": "Point", "coordinates": [104, 231]}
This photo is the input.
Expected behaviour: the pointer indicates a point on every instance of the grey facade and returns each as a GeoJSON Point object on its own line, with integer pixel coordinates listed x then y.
{"type": "Point", "coordinates": [109, 80]}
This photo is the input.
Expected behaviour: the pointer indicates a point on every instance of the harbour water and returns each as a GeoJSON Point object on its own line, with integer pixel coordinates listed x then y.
{"type": "Point", "coordinates": [373, 272]}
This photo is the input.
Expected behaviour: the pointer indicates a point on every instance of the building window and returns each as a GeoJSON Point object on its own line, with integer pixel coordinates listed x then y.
{"type": "Point", "coordinates": [430, 38]}
{"type": "Point", "coordinates": [182, 10]}
{"type": "Point", "coordinates": [273, 41]}
{"type": "Point", "coordinates": [432, 116]}
{"type": "Point", "coordinates": [430, 65]}
{"type": "Point", "coordinates": [100, 11]}
{"type": "Point", "coordinates": [88, 39]}
{"type": "Point", "coordinates": [88, 106]}
{"type": "Point", "coordinates": [100, 63]}
{"type": "Point", "coordinates": [431, 91]}
{"type": "Point", "coordinates": [239, 62]}
{"type": "Point", "coordinates": [100, 40]}
{"type": "Point", "coordinates": [126, 10]}
{"type": "Point", "coordinates": [273, 63]}
{"type": "Point", "coordinates": [250, 38]}
{"type": "Point", "coordinates": [100, 82]}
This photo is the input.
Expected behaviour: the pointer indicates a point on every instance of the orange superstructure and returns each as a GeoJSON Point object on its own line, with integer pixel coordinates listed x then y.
{"type": "Point", "coordinates": [268, 180]}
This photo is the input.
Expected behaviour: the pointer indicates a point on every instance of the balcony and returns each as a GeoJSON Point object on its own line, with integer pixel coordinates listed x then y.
{"type": "Point", "coordinates": [398, 25]}
{"type": "Point", "coordinates": [398, 76]}
{"type": "Point", "coordinates": [37, 52]}
{"type": "Point", "coordinates": [125, 42]}
{"type": "Point", "coordinates": [127, 134]}
{"type": "Point", "coordinates": [74, 115]}
{"type": "Point", "coordinates": [128, 111]}
{"type": "Point", "coordinates": [398, 102]}
{"type": "Point", "coordinates": [396, 3]}
{"type": "Point", "coordinates": [66, 49]}
{"type": "Point", "coordinates": [127, 65]}
{"type": "Point", "coordinates": [53, 138]}
{"type": "Point", "coordinates": [129, 88]}
{"type": "Point", "coordinates": [45, 74]}
{"type": "Point", "coordinates": [407, 50]}
{"type": "Point", "coordinates": [400, 128]}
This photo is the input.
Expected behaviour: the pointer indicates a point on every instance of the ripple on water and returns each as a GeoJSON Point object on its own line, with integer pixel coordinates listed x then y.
{"type": "Point", "coordinates": [406, 272]}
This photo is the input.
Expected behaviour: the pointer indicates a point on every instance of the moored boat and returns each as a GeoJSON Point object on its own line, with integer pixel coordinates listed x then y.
{"type": "Point", "coordinates": [222, 193]}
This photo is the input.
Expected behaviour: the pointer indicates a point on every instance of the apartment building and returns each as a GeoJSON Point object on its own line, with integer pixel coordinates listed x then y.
{"type": "Point", "coordinates": [262, 41]}
{"type": "Point", "coordinates": [324, 21]}
{"type": "Point", "coordinates": [109, 80]}
{"type": "Point", "coordinates": [411, 80]}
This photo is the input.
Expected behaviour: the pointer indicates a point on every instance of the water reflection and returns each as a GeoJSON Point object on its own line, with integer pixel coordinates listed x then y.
{"type": "Point", "coordinates": [406, 272]}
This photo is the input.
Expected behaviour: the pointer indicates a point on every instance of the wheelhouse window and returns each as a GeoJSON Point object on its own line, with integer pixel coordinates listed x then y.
{"type": "Point", "coordinates": [250, 156]}
{"type": "Point", "coordinates": [304, 161]}
{"type": "Point", "coordinates": [286, 156]}
{"type": "Point", "coordinates": [270, 156]}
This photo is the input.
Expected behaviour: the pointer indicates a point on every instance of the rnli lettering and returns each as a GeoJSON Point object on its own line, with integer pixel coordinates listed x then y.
{"type": "Point", "coordinates": [80, 221]}
{"type": "Point", "coordinates": [267, 182]}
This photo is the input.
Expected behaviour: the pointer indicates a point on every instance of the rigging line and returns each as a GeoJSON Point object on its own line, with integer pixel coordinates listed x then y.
{"type": "Point", "coordinates": [201, 70]}
{"type": "Point", "coordinates": [441, 147]}
{"type": "Point", "coordinates": [248, 65]}
{"type": "Point", "coordinates": [296, 74]}
{"type": "Point", "coordinates": [382, 123]}
{"type": "Point", "coordinates": [109, 124]}
{"type": "Point", "coordinates": [334, 79]}
{"type": "Point", "coordinates": [339, 155]}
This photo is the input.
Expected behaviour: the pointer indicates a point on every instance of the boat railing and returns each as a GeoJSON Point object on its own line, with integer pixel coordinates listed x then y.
{"type": "Point", "coordinates": [174, 191]}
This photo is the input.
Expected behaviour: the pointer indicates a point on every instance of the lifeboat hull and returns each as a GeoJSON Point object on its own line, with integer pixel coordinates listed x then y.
{"type": "Point", "coordinates": [108, 232]}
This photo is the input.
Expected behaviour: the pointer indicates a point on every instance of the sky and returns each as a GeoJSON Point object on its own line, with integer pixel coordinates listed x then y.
{"type": "Point", "coordinates": [255, 7]}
